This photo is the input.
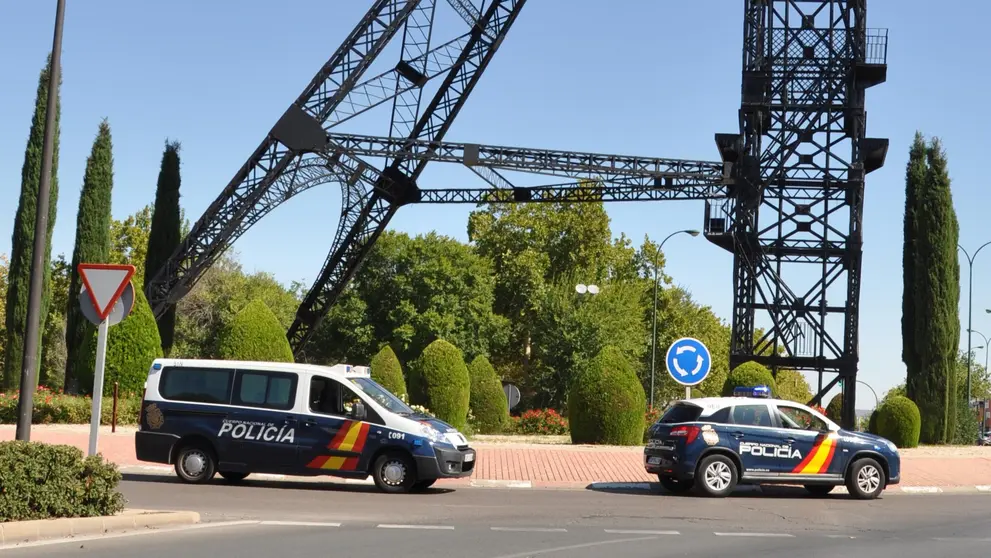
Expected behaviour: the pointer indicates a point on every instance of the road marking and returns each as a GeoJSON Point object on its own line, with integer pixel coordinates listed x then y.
{"type": "Point", "coordinates": [488, 483]}
{"type": "Point", "coordinates": [983, 488]}
{"type": "Point", "coordinates": [530, 553]}
{"type": "Point", "coordinates": [841, 536]}
{"type": "Point", "coordinates": [753, 535]}
{"type": "Point", "coordinates": [531, 529]}
{"type": "Point", "coordinates": [960, 539]}
{"type": "Point", "coordinates": [921, 489]}
{"type": "Point", "coordinates": [395, 526]}
{"type": "Point", "coordinates": [640, 532]}
{"type": "Point", "coordinates": [300, 524]}
{"type": "Point", "coordinates": [139, 531]}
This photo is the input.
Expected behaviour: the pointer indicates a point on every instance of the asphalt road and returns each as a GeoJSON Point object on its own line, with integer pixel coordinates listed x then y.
{"type": "Point", "coordinates": [288, 519]}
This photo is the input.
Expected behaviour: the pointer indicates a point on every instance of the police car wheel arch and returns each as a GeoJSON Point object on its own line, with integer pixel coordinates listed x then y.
{"type": "Point", "coordinates": [867, 454]}
{"type": "Point", "coordinates": [866, 479]}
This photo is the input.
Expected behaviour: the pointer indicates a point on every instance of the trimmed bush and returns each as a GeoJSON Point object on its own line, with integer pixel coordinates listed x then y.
{"type": "Point", "coordinates": [487, 402]}
{"type": "Point", "coordinates": [606, 402]}
{"type": "Point", "coordinates": [793, 386]}
{"type": "Point", "coordinates": [46, 481]}
{"type": "Point", "coordinates": [835, 408]}
{"type": "Point", "coordinates": [872, 422]}
{"type": "Point", "coordinates": [438, 380]}
{"type": "Point", "coordinates": [53, 407]}
{"type": "Point", "coordinates": [543, 422]}
{"type": "Point", "coordinates": [132, 345]}
{"type": "Point", "coordinates": [254, 333]}
{"type": "Point", "coordinates": [387, 371]}
{"type": "Point", "coordinates": [749, 374]}
{"type": "Point", "coordinates": [899, 420]}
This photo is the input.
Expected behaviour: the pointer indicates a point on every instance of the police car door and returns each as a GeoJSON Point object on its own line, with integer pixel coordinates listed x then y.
{"type": "Point", "coordinates": [761, 451]}
{"type": "Point", "coordinates": [816, 446]}
{"type": "Point", "coordinates": [262, 424]}
{"type": "Point", "coordinates": [330, 438]}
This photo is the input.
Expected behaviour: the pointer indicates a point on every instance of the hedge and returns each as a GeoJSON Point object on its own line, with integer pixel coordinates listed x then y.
{"type": "Point", "coordinates": [46, 481]}
{"type": "Point", "coordinates": [488, 401]}
{"type": "Point", "coordinates": [872, 422]}
{"type": "Point", "coordinates": [132, 345]}
{"type": "Point", "coordinates": [835, 408]}
{"type": "Point", "coordinates": [387, 371]}
{"type": "Point", "coordinates": [254, 333]}
{"type": "Point", "coordinates": [57, 408]}
{"type": "Point", "coordinates": [899, 420]}
{"type": "Point", "coordinates": [749, 374]}
{"type": "Point", "coordinates": [438, 380]}
{"type": "Point", "coordinates": [606, 402]}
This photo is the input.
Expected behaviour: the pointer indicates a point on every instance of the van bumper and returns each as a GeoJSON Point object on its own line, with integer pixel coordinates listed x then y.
{"type": "Point", "coordinates": [445, 464]}
{"type": "Point", "coordinates": [155, 447]}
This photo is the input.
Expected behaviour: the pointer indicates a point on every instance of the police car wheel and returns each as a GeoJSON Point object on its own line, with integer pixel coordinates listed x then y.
{"type": "Point", "coordinates": [394, 472]}
{"type": "Point", "coordinates": [195, 464]}
{"type": "Point", "coordinates": [673, 485]}
{"type": "Point", "coordinates": [819, 489]}
{"type": "Point", "coordinates": [716, 476]}
{"type": "Point", "coordinates": [865, 479]}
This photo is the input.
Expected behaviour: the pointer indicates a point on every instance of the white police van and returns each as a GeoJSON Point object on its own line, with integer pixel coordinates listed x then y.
{"type": "Point", "coordinates": [236, 418]}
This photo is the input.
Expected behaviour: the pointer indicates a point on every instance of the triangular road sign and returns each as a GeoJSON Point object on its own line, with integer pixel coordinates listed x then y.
{"type": "Point", "coordinates": [105, 283]}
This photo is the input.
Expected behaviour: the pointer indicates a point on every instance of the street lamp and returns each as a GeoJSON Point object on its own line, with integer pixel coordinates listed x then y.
{"type": "Point", "coordinates": [653, 339]}
{"type": "Point", "coordinates": [970, 307]}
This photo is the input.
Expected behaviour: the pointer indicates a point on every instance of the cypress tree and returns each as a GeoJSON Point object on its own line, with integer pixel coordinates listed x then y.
{"type": "Point", "coordinates": [22, 240]}
{"type": "Point", "coordinates": [915, 176]}
{"type": "Point", "coordinates": [165, 234]}
{"type": "Point", "coordinates": [92, 246]}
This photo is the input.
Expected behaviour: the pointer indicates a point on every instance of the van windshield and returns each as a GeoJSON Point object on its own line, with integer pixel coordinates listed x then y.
{"type": "Point", "coordinates": [383, 396]}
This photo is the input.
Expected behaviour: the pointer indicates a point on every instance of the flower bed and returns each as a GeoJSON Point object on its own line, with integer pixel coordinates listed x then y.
{"type": "Point", "coordinates": [57, 408]}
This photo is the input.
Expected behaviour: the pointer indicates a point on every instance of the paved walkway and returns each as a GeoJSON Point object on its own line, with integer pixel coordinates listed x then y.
{"type": "Point", "coordinates": [564, 466]}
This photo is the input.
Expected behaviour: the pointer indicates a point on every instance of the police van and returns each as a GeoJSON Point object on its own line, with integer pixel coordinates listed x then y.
{"type": "Point", "coordinates": [713, 444]}
{"type": "Point", "coordinates": [236, 418]}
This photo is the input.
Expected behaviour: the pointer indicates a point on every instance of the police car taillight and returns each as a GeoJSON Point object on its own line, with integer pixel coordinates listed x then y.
{"type": "Point", "coordinates": [753, 391]}
{"type": "Point", "coordinates": [688, 432]}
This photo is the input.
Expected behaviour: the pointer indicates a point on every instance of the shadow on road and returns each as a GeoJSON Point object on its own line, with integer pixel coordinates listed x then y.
{"type": "Point", "coordinates": [746, 491]}
{"type": "Point", "coordinates": [317, 486]}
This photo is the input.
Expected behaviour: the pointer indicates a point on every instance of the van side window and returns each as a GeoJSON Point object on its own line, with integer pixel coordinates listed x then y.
{"type": "Point", "coordinates": [325, 397]}
{"type": "Point", "coordinates": [199, 385]}
{"type": "Point", "coordinates": [267, 390]}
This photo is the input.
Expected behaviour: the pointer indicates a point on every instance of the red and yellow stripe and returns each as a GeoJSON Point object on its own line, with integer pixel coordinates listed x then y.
{"type": "Point", "coordinates": [351, 438]}
{"type": "Point", "coordinates": [818, 460]}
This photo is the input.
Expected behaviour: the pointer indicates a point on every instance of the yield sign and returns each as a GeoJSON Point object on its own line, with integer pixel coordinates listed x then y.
{"type": "Point", "coordinates": [105, 283]}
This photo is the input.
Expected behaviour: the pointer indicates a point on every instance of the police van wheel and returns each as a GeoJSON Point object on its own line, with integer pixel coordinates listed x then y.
{"type": "Point", "coordinates": [195, 464]}
{"type": "Point", "coordinates": [394, 473]}
{"type": "Point", "coordinates": [865, 479]}
{"type": "Point", "coordinates": [673, 485]}
{"type": "Point", "coordinates": [233, 477]}
{"type": "Point", "coordinates": [716, 476]}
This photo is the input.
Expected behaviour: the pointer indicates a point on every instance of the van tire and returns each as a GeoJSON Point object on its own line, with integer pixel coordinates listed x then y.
{"type": "Point", "coordinates": [394, 472]}
{"type": "Point", "coordinates": [195, 463]}
{"type": "Point", "coordinates": [233, 477]}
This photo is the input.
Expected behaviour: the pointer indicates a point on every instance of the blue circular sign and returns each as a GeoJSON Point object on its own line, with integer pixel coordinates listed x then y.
{"type": "Point", "coordinates": [688, 361]}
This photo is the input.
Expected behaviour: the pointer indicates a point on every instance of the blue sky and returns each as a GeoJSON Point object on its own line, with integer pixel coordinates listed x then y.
{"type": "Point", "coordinates": [642, 77]}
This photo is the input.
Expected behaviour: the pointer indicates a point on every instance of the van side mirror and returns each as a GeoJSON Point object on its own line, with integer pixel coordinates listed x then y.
{"type": "Point", "coordinates": [359, 411]}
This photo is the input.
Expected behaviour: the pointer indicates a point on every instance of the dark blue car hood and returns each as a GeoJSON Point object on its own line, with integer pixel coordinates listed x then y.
{"type": "Point", "coordinates": [440, 425]}
{"type": "Point", "coordinates": [865, 437]}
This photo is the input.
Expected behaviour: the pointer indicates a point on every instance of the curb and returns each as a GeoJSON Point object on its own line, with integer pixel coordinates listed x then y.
{"type": "Point", "coordinates": [16, 532]}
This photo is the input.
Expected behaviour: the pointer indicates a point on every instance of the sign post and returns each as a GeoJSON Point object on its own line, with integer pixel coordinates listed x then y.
{"type": "Point", "coordinates": [688, 362]}
{"type": "Point", "coordinates": [106, 298]}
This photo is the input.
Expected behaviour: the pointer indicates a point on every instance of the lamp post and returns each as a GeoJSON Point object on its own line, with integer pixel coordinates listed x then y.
{"type": "Point", "coordinates": [653, 339]}
{"type": "Point", "coordinates": [970, 307]}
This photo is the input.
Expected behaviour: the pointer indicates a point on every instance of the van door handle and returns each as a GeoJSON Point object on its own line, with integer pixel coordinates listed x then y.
{"type": "Point", "coordinates": [310, 422]}
{"type": "Point", "coordinates": [790, 440]}
{"type": "Point", "coordinates": [738, 434]}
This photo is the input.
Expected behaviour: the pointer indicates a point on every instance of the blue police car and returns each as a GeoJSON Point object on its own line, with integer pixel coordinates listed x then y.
{"type": "Point", "coordinates": [713, 444]}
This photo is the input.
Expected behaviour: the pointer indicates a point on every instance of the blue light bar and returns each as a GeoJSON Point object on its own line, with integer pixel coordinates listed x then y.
{"type": "Point", "coordinates": [763, 392]}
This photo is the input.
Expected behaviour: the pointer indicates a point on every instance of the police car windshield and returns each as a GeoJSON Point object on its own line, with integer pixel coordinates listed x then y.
{"type": "Point", "coordinates": [382, 396]}
{"type": "Point", "coordinates": [681, 412]}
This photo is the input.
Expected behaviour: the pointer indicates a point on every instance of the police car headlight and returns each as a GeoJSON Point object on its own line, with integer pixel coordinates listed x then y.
{"type": "Point", "coordinates": [891, 446]}
{"type": "Point", "coordinates": [430, 433]}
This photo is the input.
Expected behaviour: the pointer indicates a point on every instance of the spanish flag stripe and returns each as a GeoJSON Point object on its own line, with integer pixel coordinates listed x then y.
{"type": "Point", "coordinates": [359, 444]}
{"type": "Point", "coordinates": [820, 457]}
{"type": "Point", "coordinates": [808, 458]}
{"type": "Point", "coordinates": [318, 462]}
{"type": "Point", "coordinates": [334, 463]}
{"type": "Point", "coordinates": [350, 464]}
{"type": "Point", "coordinates": [351, 437]}
{"type": "Point", "coordinates": [341, 433]}
{"type": "Point", "coordinates": [829, 457]}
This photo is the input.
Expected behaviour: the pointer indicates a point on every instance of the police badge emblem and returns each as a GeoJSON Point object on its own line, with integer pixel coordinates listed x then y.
{"type": "Point", "coordinates": [154, 416]}
{"type": "Point", "coordinates": [709, 436]}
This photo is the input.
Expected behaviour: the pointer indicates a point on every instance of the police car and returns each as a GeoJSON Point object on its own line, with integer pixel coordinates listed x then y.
{"type": "Point", "coordinates": [713, 444]}
{"type": "Point", "coordinates": [237, 418]}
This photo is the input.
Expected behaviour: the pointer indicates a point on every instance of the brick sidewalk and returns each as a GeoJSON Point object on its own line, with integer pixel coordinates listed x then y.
{"type": "Point", "coordinates": [543, 465]}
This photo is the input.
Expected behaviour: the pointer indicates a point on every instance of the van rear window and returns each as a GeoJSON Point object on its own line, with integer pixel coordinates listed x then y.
{"type": "Point", "coordinates": [200, 385]}
{"type": "Point", "coordinates": [681, 412]}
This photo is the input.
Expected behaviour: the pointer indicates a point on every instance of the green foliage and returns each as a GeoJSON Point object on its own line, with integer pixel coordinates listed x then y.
{"type": "Point", "coordinates": [835, 408]}
{"type": "Point", "coordinates": [915, 177]}
{"type": "Point", "coordinates": [438, 379]}
{"type": "Point", "coordinates": [4, 270]}
{"type": "Point", "coordinates": [22, 240]}
{"type": "Point", "coordinates": [47, 481]}
{"type": "Point", "coordinates": [540, 422]}
{"type": "Point", "coordinates": [606, 402]}
{"type": "Point", "coordinates": [872, 422]}
{"type": "Point", "coordinates": [165, 232]}
{"type": "Point", "coordinates": [53, 349]}
{"type": "Point", "coordinates": [52, 407]}
{"type": "Point", "coordinates": [387, 371]}
{"type": "Point", "coordinates": [793, 386]}
{"type": "Point", "coordinates": [254, 334]}
{"type": "Point", "coordinates": [749, 374]}
{"type": "Point", "coordinates": [92, 246]}
{"type": "Point", "coordinates": [488, 401]}
{"type": "Point", "coordinates": [899, 420]}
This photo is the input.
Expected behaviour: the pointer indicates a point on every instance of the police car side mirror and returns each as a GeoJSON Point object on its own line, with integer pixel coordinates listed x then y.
{"type": "Point", "coordinates": [359, 411]}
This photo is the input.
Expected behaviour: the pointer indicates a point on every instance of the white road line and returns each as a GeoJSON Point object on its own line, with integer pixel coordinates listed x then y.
{"type": "Point", "coordinates": [783, 535]}
{"type": "Point", "coordinates": [300, 524]}
{"type": "Point", "coordinates": [841, 536]}
{"type": "Point", "coordinates": [640, 532]}
{"type": "Point", "coordinates": [142, 531]}
{"type": "Point", "coordinates": [574, 547]}
{"type": "Point", "coordinates": [921, 489]}
{"type": "Point", "coordinates": [983, 488]}
{"type": "Point", "coordinates": [434, 527]}
{"type": "Point", "coordinates": [531, 529]}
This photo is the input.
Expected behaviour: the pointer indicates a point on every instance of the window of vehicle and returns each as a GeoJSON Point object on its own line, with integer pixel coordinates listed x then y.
{"type": "Point", "coordinates": [383, 396]}
{"type": "Point", "coordinates": [719, 417]}
{"type": "Point", "coordinates": [268, 390]}
{"type": "Point", "coordinates": [198, 385]}
{"type": "Point", "coordinates": [681, 412]}
{"type": "Point", "coordinates": [752, 415]}
{"type": "Point", "coordinates": [802, 419]}
{"type": "Point", "coordinates": [330, 397]}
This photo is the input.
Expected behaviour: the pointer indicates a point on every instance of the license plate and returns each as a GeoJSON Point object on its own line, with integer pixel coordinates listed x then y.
{"type": "Point", "coordinates": [469, 457]}
{"type": "Point", "coordinates": [654, 460]}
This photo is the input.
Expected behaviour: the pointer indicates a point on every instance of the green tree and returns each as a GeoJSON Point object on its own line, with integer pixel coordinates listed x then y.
{"type": "Point", "coordinates": [166, 233]}
{"type": "Point", "coordinates": [254, 334]}
{"type": "Point", "coordinates": [937, 299]}
{"type": "Point", "coordinates": [132, 345]}
{"type": "Point", "coordinates": [54, 353]}
{"type": "Point", "coordinates": [4, 270]}
{"type": "Point", "coordinates": [898, 420]}
{"type": "Point", "coordinates": [915, 177]}
{"type": "Point", "coordinates": [793, 386]}
{"type": "Point", "coordinates": [129, 240]}
{"type": "Point", "coordinates": [749, 374]}
{"type": "Point", "coordinates": [488, 401]}
{"type": "Point", "coordinates": [22, 240]}
{"type": "Point", "coordinates": [92, 246]}
{"type": "Point", "coordinates": [606, 403]}
{"type": "Point", "coordinates": [834, 409]}
{"type": "Point", "coordinates": [387, 371]}
{"type": "Point", "coordinates": [438, 380]}
{"type": "Point", "coordinates": [344, 335]}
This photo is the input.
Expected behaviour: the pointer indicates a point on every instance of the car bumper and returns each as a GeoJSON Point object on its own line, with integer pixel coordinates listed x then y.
{"type": "Point", "coordinates": [154, 447]}
{"type": "Point", "coordinates": [446, 464]}
{"type": "Point", "coordinates": [659, 462]}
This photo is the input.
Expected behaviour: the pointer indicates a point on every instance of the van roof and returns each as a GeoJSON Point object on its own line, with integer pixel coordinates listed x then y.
{"type": "Point", "coordinates": [345, 370]}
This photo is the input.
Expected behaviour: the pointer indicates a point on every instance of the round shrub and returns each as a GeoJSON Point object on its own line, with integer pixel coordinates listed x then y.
{"type": "Point", "coordinates": [835, 408]}
{"type": "Point", "coordinates": [488, 401]}
{"type": "Point", "coordinates": [749, 374]}
{"type": "Point", "coordinates": [132, 345]}
{"type": "Point", "coordinates": [872, 422]}
{"type": "Point", "coordinates": [438, 380]}
{"type": "Point", "coordinates": [387, 371]}
{"type": "Point", "coordinates": [792, 385]}
{"type": "Point", "coordinates": [254, 333]}
{"type": "Point", "coordinates": [899, 420]}
{"type": "Point", "coordinates": [606, 402]}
